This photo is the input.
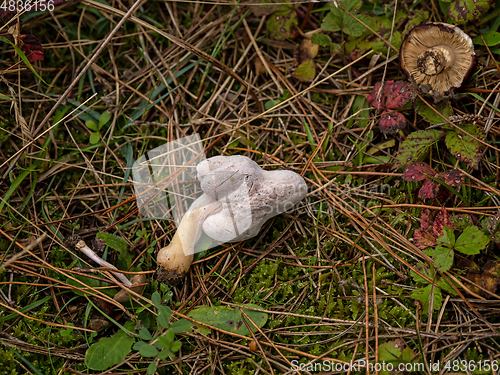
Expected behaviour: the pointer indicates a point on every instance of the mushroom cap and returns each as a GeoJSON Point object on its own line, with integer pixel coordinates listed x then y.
{"type": "Point", "coordinates": [222, 175]}
{"type": "Point", "coordinates": [441, 50]}
{"type": "Point", "coordinates": [239, 197]}
{"type": "Point", "coordinates": [249, 195]}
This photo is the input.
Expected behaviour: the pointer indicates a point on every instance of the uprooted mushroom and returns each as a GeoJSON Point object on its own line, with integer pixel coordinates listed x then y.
{"type": "Point", "coordinates": [239, 197]}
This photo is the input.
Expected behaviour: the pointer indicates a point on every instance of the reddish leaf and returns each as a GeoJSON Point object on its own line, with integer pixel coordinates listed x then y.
{"type": "Point", "coordinates": [425, 219]}
{"type": "Point", "coordinates": [428, 190]}
{"type": "Point", "coordinates": [31, 47]}
{"type": "Point", "coordinates": [397, 93]}
{"type": "Point", "coordinates": [418, 171]}
{"type": "Point", "coordinates": [452, 177]}
{"type": "Point", "coordinates": [393, 95]}
{"type": "Point", "coordinates": [442, 193]}
{"type": "Point", "coordinates": [426, 236]}
{"type": "Point", "coordinates": [423, 239]}
{"type": "Point", "coordinates": [442, 219]}
{"type": "Point", "coordinates": [391, 122]}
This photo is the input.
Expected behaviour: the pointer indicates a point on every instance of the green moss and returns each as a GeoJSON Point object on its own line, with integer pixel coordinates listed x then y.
{"type": "Point", "coordinates": [239, 368]}
{"type": "Point", "coordinates": [35, 333]}
{"type": "Point", "coordinates": [7, 362]}
{"type": "Point", "coordinates": [258, 283]}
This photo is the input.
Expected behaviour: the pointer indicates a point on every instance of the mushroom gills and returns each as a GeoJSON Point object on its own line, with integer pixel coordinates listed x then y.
{"type": "Point", "coordinates": [437, 58]}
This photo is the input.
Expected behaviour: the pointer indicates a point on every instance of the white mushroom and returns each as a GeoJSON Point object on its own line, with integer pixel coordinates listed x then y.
{"type": "Point", "coordinates": [239, 197]}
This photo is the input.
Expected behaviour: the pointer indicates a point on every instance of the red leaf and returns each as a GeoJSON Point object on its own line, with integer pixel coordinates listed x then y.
{"type": "Point", "coordinates": [32, 47]}
{"type": "Point", "coordinates": [423, 239]}
{"type": "Point", "coordinates": [418, 171]}
{"type": "Point", "coordinates": [393, 95]}
{"type": "Point", "coordinates": [426, 236]}
{"type": "Point", "coordinates": [425, 219]}
{"type": "Point", "coordinates": [397, 93]}
{"type": "Point", "coordinates": [442, 219]}
{"type": "Point", "coordinates": [428, 190]}
{"type": "Point", "coordinates": [452, 177]}
{"type": "Point", "coordinates": [391, 122]}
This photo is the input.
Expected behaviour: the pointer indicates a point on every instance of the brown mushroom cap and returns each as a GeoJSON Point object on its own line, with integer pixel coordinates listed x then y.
{"type": "Point", "coordinates": [437, 58]}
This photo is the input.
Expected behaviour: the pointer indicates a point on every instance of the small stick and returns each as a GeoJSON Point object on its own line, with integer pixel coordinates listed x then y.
{"type": "Point", "coordinates": [82, 246]}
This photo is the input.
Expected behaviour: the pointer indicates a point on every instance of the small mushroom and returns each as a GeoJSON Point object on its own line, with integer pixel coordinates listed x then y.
{"type": "Point", "coordinates": [239, 197]}
{"type": "Point", "coordinates": [437, 58]}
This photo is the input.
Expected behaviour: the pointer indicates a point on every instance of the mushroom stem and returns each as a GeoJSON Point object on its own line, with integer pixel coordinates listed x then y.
{"type": "Point", "coordinates": [82, 246]}
{"type": "Point", "coordinates": [432, 61]}
{"type": "Point", "coordinates": [175, 259]}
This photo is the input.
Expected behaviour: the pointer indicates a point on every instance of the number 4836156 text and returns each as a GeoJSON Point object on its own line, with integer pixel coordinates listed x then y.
{"type": "Point", "coordinates": [27, 5]}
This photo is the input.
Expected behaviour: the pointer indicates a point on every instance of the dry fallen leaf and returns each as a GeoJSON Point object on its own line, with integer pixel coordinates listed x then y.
{"type": "Point", "coordinates": [486, 277]}
{"type": "Point", "coordinates": [430, 230]}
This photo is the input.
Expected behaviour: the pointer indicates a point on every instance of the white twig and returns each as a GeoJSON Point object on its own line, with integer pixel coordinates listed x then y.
{"type": "Point", "coordinates": [82, 246]}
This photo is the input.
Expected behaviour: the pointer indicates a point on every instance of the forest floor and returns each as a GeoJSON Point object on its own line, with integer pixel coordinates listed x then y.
{"type": "Point", "coordinates": [392, 257]}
